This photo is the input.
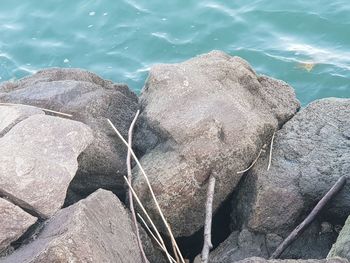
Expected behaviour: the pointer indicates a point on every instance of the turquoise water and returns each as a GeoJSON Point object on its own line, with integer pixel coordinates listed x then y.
{"type": "Point", "coordinates": [305, 43]}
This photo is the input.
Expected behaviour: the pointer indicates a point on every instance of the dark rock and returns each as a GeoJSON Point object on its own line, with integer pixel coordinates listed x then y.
{"type": "Point", "coordinates": [210, 115]}
{"type": "Point", "coordinates": [262, 260]}
{"type": "Point", "coordinates": [90, 100]}
{"type": "Point", "coordinates": [310, 153]}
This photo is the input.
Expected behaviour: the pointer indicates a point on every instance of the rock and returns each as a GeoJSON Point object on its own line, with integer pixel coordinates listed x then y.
{"type": "Point", "coordinates": [38, 159]}
{"type": "Point", "coordinates": [342, 247]}
{"type": "Point", "coordinates": [313, 243]}
{"type": "Point", "coordinates": [261, 260]}
{"type": "Point", "coordinates": [14, 222]}
{"type": "Point", "coordinates": [11, 115]}
{"type": "Point", "coordinates": [90, 100]}
{"type": "Point", "coordinates": [310, 153]}
{"type": "Point", "coordinates": [210, 115]}
{"type": "Point", "coordinates": [96, 229]}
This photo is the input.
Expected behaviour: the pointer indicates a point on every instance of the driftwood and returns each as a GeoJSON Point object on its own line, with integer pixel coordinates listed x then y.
{"type": "Point", "coordinates": [131, 201]}
{"type": "Point", "coordinates": [308, 220]}
{"type": "Point", "coordinates": [208, 220]}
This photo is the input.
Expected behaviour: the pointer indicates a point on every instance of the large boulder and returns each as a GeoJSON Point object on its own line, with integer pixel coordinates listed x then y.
{"type": "Point", "coordinates": [96, 229]}
{"type": "Point", "coordinates": [91, 100]}
{"type": "Point", "coordinates": [342, 247]}
{"type": "Point", "coordinates": [38, 159]}
{"type": "Point", "coordinates": [209, 115]}
{"type": "Point", "coordinates": [262, 260]}
{"type": "Point", "coordinates": [310, 153]}
{"type": "Point", "coordinates": [14, 222]}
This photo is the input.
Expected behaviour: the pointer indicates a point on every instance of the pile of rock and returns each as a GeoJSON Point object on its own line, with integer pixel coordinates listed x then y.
{"type": "Point", "coordinates": [209, 116]}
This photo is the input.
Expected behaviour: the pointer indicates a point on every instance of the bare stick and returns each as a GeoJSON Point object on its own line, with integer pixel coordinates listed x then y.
{"type": "Point", "coordinates": [147, 215]}
{"type": "Point", "coordinates": [177, 250]}
{"type": "Point", "coordinates": [131, 203]}
{"type": "Point", "coordinates": [208, 219]}
{"type": "Point", "coordinates": [256, 159]}
{"type": "Point", "coordinates": [308, 220]}
{"type": "Point", "coordinates": [154, 237]}
{"type": "Point", "coordinates": [271, 146]}
{"type": "Point", "coordinates": [43, 109]}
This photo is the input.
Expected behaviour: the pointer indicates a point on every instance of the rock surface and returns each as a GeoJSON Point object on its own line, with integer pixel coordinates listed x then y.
{"type": "Point", "coordinates": [210, 115]}
{"type": "Point", "coordinates": [261, 260]}
{"type": "Point", "coordinates": [96, 229]}
{"type": "Point", "coordinates": [11, 115]}
{"type": "Point", "coordinates": [14, 222]}
{"type": "Point", "coordinates": [90, 100]}
{"type": "Point", "coordinates": [310, 153]}
{"type": "Point", "coordinates": [342, 247]}
{"type": "Point", "coordinates": [38, 159]}
{"type": "Point", "coordinates": [314, 243]}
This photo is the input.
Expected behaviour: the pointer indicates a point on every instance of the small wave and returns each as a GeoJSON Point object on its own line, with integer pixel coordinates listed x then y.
{"type": "Point", "coordinates": [137, 6]}
{"type": "Point", "coordinates": [171, 40]}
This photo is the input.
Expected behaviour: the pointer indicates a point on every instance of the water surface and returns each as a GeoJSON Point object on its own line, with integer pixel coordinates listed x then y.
{"type": "Point", "coordinates": [305, 43]}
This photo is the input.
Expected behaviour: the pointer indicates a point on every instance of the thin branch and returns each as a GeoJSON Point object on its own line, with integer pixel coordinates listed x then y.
{"type": "Point", "coordinates": [147, 216]}
{"type": "Point", "coordinates": [154, 237]}
{"type": "Point", "coordinates": [177, 250]}
{"type": "Point", "coordinates": [256, 159]}
{"type": "Point", "coordinates": [271, 146]}
{"type": "Point", "coordinates": [43, 109]}
{"type": "Point", "coordinates": [308, 220]}
{"type": "Point", "coordinates": [208, 220]}
{"type": "Point", "coordinates": [131, 203]}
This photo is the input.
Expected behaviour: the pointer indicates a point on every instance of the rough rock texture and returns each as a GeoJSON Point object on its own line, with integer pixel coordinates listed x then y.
{"type": "Point", "coordinates": [90, 100]}
{"type": "Point", "coordinates": [314, 243]}
{"type": "Point", "coordinates": [14, 222]}
{"type": "Point", "coordinates": [11, 115]}
{"type": "Point", "coordinates": [310, 153]}
{"type": "Point", "coordinates": [261, 260]}
{"type": "Point", "coordinates": [38, 159]}
{"type": "Point", "coordinates": [96, 229]}
{"type": "Point", "coordinates": [208, 115]}
{"type": "Point", "coordinates": [342, 247]}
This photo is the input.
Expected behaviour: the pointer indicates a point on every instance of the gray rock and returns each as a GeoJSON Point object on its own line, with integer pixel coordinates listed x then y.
{"type": "Point", "coordinates": [11, 115]}
{"type": "Point", "coordinates": [90, 100]}
{"type": "Point", "coordinates": [38, 159]}
{"type": "Point", "coordinates": [96, 229]}
{"type": "Point", "coordinates": [14, 222]}
{"type": "Point", "coordinates": [262, 260]}
{"type": "Point", "coordinates": [342, 247]}
{"type": "Point", "coordinates": [207, 116]}
{"type": "Point", "coordinates": [313, 243]}
{"type": "Point", "coordinates": [310, 153]}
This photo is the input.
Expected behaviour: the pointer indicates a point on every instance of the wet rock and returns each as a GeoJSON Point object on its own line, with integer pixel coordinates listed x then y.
{"type": "Point", "coordinates": [14, 222]}
{"type": "Point", "coordinates": [96, 229]}
{"type": "Point", "coordinates": [38, 159]}
{"type": "Point", "coordinates": [342, 247]}
{"type": "Point", "coordinates": [210, 115]}
{"type": "Point", "coordinates": [310, 153]}
{"type": "Point", "coordinates": [91, 100]}
{"type": "Point", "coordinates": [261, 260]}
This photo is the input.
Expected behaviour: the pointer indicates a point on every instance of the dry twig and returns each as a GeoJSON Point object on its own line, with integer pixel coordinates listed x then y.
{"type": "Point", "coordinates": [308, 220]}
{"type": "Point", "coordinates": [256, 159]}
{"type": "Point", "coordinates": [147, 215]}
{"type": "Point", "coordinates": [208, 219]}
{"type": "Point", "coordinates": [176, 248]}
{"type": "Point", "coordinates": [131, 203]}
{"type": "Point", "coordinates": [271, 146]}
{"type": "Point", "coordinates": [155, 238]}
{"type": "Point", "coordinates": [43, 109]}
